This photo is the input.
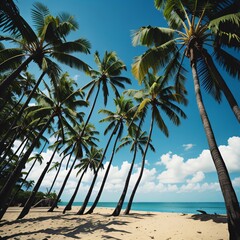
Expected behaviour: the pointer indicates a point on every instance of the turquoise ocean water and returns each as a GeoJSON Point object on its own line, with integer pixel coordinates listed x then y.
{"type": "Point", "coordinates": [175, 207]}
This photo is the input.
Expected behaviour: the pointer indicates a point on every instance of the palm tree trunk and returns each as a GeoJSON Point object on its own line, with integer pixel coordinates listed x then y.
{"type": "Point", "coordinates": [228, 94]}
{"type": "Point", "coordinates": [65, 181]}
{"type": "Point", "coordinates": [118, 208]}
{"type": "Point", "coordinates": [229, 195]}
{"type": "Point", "coordinates": [31, 198]}
{"type": "Point", "coordinates": [128, 208]}
{"type": "Point", "coordinates": [91, 111]}
{"type": "Point", "coordinates": [69, 205]}
{"type": "Point", "coordinates": [24, 180]}
{"type": "Point", "coordinates": [21, 111]}
{"type": "Point", "coordinates": [105, 175]}
{"type": "Point", "coordinates": [55, 178]}
{"type": "Point", "coordinates": [9, 79]}
{"type": "Point", "coordinates": [18, 134]}
{"type": "Point", "coordinates": [86, 200]}
{"type": "Point", "coordinates": [7, 189]}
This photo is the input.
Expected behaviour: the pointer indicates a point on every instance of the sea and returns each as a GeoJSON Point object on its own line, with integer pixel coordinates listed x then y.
{"type": "Point", "coordinates": [171, 207]}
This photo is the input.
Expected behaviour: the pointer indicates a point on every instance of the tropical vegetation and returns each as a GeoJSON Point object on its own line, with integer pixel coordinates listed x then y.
{"type": "Point", "coordinates": [53, 112]}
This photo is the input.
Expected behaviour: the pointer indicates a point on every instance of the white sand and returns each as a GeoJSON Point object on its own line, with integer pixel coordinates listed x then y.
{"type": "Point", "coordinates": [41, 225]}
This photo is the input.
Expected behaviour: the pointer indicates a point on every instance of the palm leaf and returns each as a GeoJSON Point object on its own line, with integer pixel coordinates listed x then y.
{"type": "Point", "coordinates": [160, 123]}
{"type": "Point", "coordinates": [228, 62]}
{"type": "Point", "coordinates": [71, 61]}
{"type": "Point", "coordinates": [39, 13]}
{"type": "Point", "coordinates": [153, 58]}
{"type": "Point", "coordinates": [80, 45]}
{"type": "Point", "coordinates": [152, 36]}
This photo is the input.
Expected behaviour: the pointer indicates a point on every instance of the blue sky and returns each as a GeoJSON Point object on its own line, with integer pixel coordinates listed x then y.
{"type": "Point", "coordinates": [181, 169]}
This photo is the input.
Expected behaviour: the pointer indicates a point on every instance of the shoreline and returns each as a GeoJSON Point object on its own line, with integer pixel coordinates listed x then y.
{"type": "Point", "coordinates": [141, 225]}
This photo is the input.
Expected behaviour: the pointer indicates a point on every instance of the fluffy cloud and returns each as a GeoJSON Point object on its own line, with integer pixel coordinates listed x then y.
{"type": "Point", "coordinates": [178, 175]}
{"type": "Point", "coordinates": [178, 169]}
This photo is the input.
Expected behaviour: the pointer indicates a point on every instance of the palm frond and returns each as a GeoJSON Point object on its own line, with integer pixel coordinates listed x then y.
{"type": "Point", "coordinates": [152, 36]}
{"type": "Point", "coordinates": [80, 45]}
{"type": "Point", "coordinates": [160, 122]}
{"type": "Point", "coordinates": [228, 62]}
{"type": "Point", "coordinates": [71, 61]}
{"type": "Point", "coordinates": [209, 79]}
{"type": "Point", "coordinates": [39, 13]}
{"type": "Point", "coordinates": [153, 58]}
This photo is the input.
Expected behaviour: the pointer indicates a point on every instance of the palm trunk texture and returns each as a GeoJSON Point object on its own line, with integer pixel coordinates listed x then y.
{"type": "Point", "coordinates": [229, 195]}
{"type": "Point", "coordinates": [128, 208]}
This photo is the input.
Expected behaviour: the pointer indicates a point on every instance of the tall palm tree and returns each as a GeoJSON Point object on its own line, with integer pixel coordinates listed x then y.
{"type": "Point", "coordinates": [31, 198]}
{"type": "Point", "coordinates": [80, 143]}
{"type": "Point", "coordinates": [90, 161]}
{"type": "Point", "coordinates": [37, 157]}
{"type": "Point", "coordinates": [60, 102]}
{"type": "Point", "coordinates": [49, 42]}
{"type": "Point", "coordinates": [113, 133]}
{"type": "Point", "coordinates": [161, 99]}
{"type": "Point", "coordinates": [199, 24]}
{"type": "Point", "coordinates": [108, 73]}
{"type": "Point", "coordinates": [120, 118]}
{"type": "Point", "coordinates": [136, 140]}
{"type": "Point", "coordinates": [195, 28]}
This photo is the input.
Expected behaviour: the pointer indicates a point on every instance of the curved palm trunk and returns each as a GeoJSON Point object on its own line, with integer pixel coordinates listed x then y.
{"type": "Point", "coordinates": [55, 178]}
{"type": "Point", "coordinates": [7, 162]}
{"type": "Point", "coordinates": [26, 175]}
{"type": "Point", "coordinates": [9, 79]}
{"type": "Point", "coordinates": [86, 200]}
{"type": "Point", "coordinates": [20, 187]}
{"type": "Point", "coordinates": [65, 181]}
{"type": "Point", "coordinates": [229, 195]}
{"type": "Point", "coordinates": [21, 111]}
{"type": "Point", "coordinates": [7, 189]}
{"type": "Point", "coordinates": [69, 205]}
{"type": "Point", "coordinates": [228, 94]}
{"type": "Point", "coordinates": [31, 198]}
{"type": "Point", "coordinates": [20, 146]}
{"type": "Point", "coordinates": [105, 175]}
{"type": "Point", "coordinates": [118, 208]}
{"type": "Point", "coordinates": [128, 208]}
{"type": "Point", "coordinates": [91, 111]}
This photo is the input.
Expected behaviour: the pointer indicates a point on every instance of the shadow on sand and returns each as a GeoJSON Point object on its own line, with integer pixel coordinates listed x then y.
{"type": "Point", "coordinates": [76, 229]}
{"type": "Point", "coordinates": [210, 217]}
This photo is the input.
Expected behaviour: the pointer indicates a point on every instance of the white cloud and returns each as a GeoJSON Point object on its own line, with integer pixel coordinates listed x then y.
{"type": "Point", "coordinates": [236, 182]}
{"type": "Point", "coordinates": [190, 187]}
{"type": "Point", "coordinates": [177, 169]}
{"type": "Point", "coordinates": [178, 176]}
{"type": "Point", "coordinates": [188, 146]}
{"type": "Point", "coordinates": [197, 177]}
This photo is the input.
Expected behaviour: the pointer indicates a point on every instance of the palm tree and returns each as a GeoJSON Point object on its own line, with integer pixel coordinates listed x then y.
{"type": "Point", "coordinates": [91, 160]}
{"type": "Point", "coordinates": [161, 98]}
{"type": "Point", "coordinates": [49, 42]}
{"type": "Point", "coordinates": [108, 73]}
{"type": "Point", "coordinates": [37, 157]}
{"type": "Point", "coordinates": [137, 140]}
{"type": "Point", "coordinates": [79, 143]}
{"type": "Point", "coordinates": [60, 102]}
{"type": "Point", "coordinates": [31, 198]}
{"type": "Point", "coordinates": [113, 133]}
{"type": "Point", "coordinates": [120, 118]}
{"type": "Point", "coordinates": [197, 27]}
{"type": "Point", "coordinates": [199, 23]}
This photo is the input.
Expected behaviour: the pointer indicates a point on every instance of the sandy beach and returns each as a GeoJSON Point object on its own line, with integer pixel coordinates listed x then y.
{"type": "Point", "coordinates": [41, 225]}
